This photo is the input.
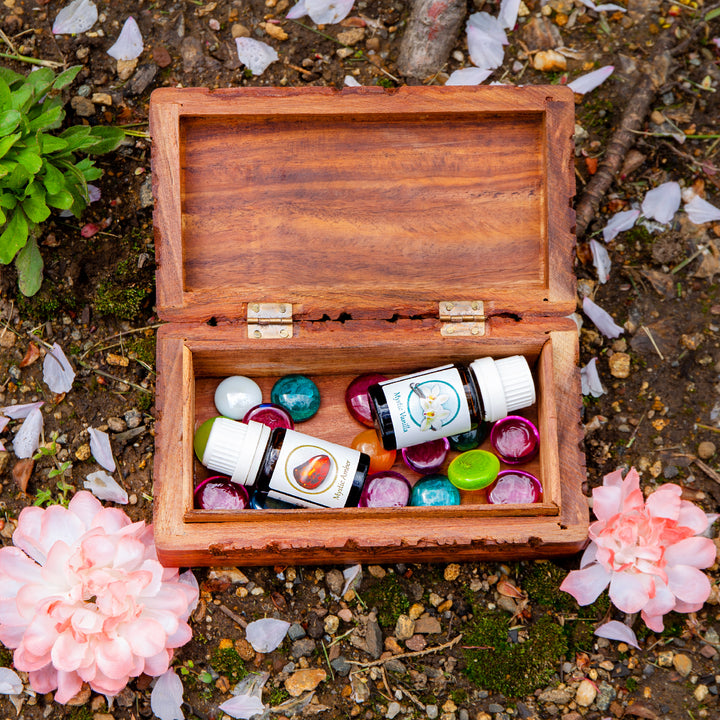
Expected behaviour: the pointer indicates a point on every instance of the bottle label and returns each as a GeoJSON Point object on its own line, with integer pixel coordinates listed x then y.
{"type": "Point", "coordinates": [427, 406]}
{"type": "Point", "coordinates": [313, 473]}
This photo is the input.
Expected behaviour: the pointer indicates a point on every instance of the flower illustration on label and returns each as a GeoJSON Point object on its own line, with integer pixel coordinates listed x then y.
{"type": "Point", "coordinates": [431, 403]}
{"type": "Point", "coordinates": [312, 472]}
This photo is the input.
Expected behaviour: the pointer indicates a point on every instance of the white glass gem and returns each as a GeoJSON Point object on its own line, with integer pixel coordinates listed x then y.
{"type": "Point", "coordinates": [236, 395]}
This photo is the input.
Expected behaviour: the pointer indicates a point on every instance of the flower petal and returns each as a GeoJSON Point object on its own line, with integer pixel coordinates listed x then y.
{"type": "Point", "coordinates": [254, 54]}
{"type": "Point", "coordinates": [105, 487]}
{"type": "Point", "coordinates": [665, 502]}
{"type": "Point", "coordinates": [167, 697]}
{"type": "Point", "coordinates": [58, 374]}
{"type": "Point", "coordinates": [243, 706]}
{"type": "Point", "coordinates": [601, 260]}
{"type": "Point", "coordinates": [10, 682]}
{"type": "Point", "coordinates": [700, 211]}
{"type": "Point", "coordinates": [630, 592]}
{"type": "Point", "coordinates": [68, 686]}
{"type": "Point", "coordinates": [129, 44]}
{"type": "Point", "coordinates": [507, 17]}
{"type": "Point", "coordinates": [586, 83]}
{"type": "Point", "coordinates": [101, 450]}
{"type": "Point", "coordinates": [586, 585]}
{"type": "Point", "coordinates": [468, 76]}
{"type": "Point", "coordinates": [619, 223]}
{"type": "Point", "coordinates": [77, 17]}
{"type": "Point", "coordinates": [688, 584]}
{"type": "Point", "coordinates": [614, 630]}
{"type": "Point", "coordinates": [267, 634]}
{"type": "Point", "coordinates": [297, 11]}
{"type": "Point", "coordinates": [485, 39]}
{"type": "Point", "coordinates": [590, 379]}
{"type": "Point", "coordinates": [27, 438]}
{"type": "Point", "coordinates": [350, 81]}
{"type": "Point", "coordinates": [603, 321]}
{"type": "Point", "coordinates": [19, 412]}
{"type": "Point", "coordinates": [661, 203]}
{"type": "Point", "coordinates": [328, 12]}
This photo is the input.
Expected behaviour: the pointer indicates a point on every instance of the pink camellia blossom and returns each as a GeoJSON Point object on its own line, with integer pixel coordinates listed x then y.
{"type": "Point", "coordinates": [648, 552]}
{"type": "Point", "coordinates": [83, 598]}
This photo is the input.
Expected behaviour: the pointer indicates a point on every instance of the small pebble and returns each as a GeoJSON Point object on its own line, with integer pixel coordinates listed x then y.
{"type": "Point", "coordinates": [586, 693]}
{"type": "Point", "coordinates": [404, 628]}
{"type": "Point", "coordinates": [701, 692]}
{"type": "Point", "coordinates": [706, 450]}
{"type": "Point", "coordinates": [619, 364]}
{"type": "Point", "coordinates": [682, 663]}
{"type": "Point", "coordinates": [665, 658]}
{"type": "Point", "coordinates": [116, 424]}
{"type": "Point", "coordinates": [393, 710]}
{"type": "Point", "coordinates": [452, 572]}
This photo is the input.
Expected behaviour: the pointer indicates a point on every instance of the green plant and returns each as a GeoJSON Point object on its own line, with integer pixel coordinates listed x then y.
{"type": "Point", "coordinates": [227, 661]}
{"type": "Point", "coordinates": [50, 450]}
{"type": "Point", "coordinates": [390, 598]}
{"type": "Point", "coordinates": [39, 170]}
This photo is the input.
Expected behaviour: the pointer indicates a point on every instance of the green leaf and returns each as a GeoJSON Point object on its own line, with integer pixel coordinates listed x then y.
{"type": "Point", "coordinates": [108, 138]}
{"type": "Point", "coordinates": [14, 237]}
{"type": "Point", "coordinates": [78, 138]}
{"type": "Point", "coordinates": [3, 217]}
{"type": "Point", "coordinates": [7, 142]}
{"type": "Point", "coordinates": [66, 77]}
{"type": "Point", "coordinates": [18, 177]}
{"type": "Point", "coordinates": [48, 119]}
{"type": "Point", "coordinates": [10, 76]}
{"type": "Point", "coordinates": [7, 200]}
{"type": "Point", "coordinates": [715, 12]}
{"type": "Point", "coordinates": [41, 81]}
{"type": "Point", "coordinates": [5, 95]}
{"type": "Point", "coordinates": [51, 144]}
{"type": "Point", "coordinates": [62, 200]}
{"type": "Point", "coordinates": [22, 97]}
{"type": "Point", "coordinates": [29, 160]}
{"type": "Point", "coordinates": [29, 266]}
{"type": "Point", "coordinates": [6, 167]}
{"type": "Point", "coordinates": [9, 120]}
{"type": "Point", "coordinates": [53, 179]}
{"type": "Point", "coordinates": [35, 208]}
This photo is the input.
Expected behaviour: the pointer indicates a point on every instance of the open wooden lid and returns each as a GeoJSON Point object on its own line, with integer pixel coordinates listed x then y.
{"type": "Point", "coordinates": [365, 202]}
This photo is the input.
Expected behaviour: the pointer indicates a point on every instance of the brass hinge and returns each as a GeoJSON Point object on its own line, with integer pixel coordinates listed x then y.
{"type": "Point", "coordinates": [462, 317]}
{"type": "Point", "coordinates": [270, 320]}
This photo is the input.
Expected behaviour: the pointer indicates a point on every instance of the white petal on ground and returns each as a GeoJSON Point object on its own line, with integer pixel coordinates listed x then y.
{"type": "Point", "coordinates": [353, 576]}
{"type": "Point", "coordinates": [104, 487]}
{"type": "Point", "coordinates": [10, 682]}
{"type": "Point", "coordinates": [469, 76]}
{"type": "Point", "coordinates": [590, 379]}
{"type": "Point", "coordinates": [242, 706]}
{"type": "Point", "coordinates": [607, 7]}
{"type": "Point", "coordinates": [661, 203]}
{"type": "Point", "coordinates": [618, 223]}
{"type": "Point", "coordinates": [267, 634]}
{"type": "Point", "coordinates": [485, 38]}
{"type": "Point", "coordinates": [297, 11]}
{"type": "Point", "coordinates": [101, 450]}
{"type": "Point", "coordinates": [18, 412]}
{"type": "Point", "coordinates": [508, 13]}
{"type": "Point", "coordinates": [328, 12]}
{"type": "Point", "coordinates": [27, 438]}
{"type": "Point", "coordinates": [350, 81]}
{"type": "Point", "coordinates": [700, 211]}
{"type": "Point", "coordinates": [167, 697]}
{"type": "Point", "coordinates": [57, 370]}
{"type": "Point", "coordinates": [254, 54]}
{"type": "Point", "coordinates": [129, 44]}
{"type": "Point", "coordinates": [602, 319]}
{"type": "Point", "coordinates": [615, 630]}
{"type": "Point", "coordinates": [77, 17]}
{"type": "Point", "coordinates": [94, 193]}
{"type": "Point", "coordinates": [586, 83]}
{"type": "Point", "coordinates": [601, 260]}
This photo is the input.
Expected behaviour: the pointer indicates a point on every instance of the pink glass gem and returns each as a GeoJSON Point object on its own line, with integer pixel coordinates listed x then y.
{"type": "Point", "coordinates": [385, 489]}
{"type": "Point", "coordinates": [220, 493]}
{"type": "Point", "coordinates": [515, 439]}
{"type": "Point", "coordinates": [356, 397]}
{"type": "Point", "coordinates": [270, 414]}
{"type": "Point", "coordinates": [428, 457]}
{"type": "Point", "coordinates": [514, 487]}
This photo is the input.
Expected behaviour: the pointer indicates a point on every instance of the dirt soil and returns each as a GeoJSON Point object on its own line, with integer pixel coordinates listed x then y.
{"type": "Point", "coordinates": [661, 411]}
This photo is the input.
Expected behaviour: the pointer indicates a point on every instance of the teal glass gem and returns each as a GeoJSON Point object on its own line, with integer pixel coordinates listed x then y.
{"type": "Point", "coordinates": [471, 439]}
{"type": "Point", "coordinates": [434, 490]}
{"type": "Point", "coordinates": [298, 394]}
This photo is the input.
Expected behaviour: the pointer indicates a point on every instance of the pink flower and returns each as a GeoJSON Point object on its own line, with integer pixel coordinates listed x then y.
{"type": "Point", "coordinates": [83, 598]}
{"type": "Point", "coordinates": [648, 552]}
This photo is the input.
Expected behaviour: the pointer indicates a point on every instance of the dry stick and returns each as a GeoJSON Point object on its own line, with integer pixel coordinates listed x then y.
{"type": "Point", "coordinates": [707, 470]}
{"type": "Point", "coordinates": [233, 616]}
{"type": "Point", "coordinates": [624, 138]}
{"type": "Point", "coordinates": [419, 653]}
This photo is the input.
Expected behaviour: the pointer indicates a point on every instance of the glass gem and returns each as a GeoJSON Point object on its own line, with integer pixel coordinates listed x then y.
{"type": "Point", "coordinates": [235, 395]}
{"type": "Point", "coordinates": [261, 501]}
{"type": "Point", "coordinates": [434, 490]}
{"type": "Point", "coordinates": [515, 439]}
{"type": "Point", "coordinates": [298, 394]}
{"type": "Point", "coordinates": [385, 489]}
{"type": "Point", "coordinates": [312, 472]}
{"type": "Point", "coordinates": [356, 397]}
{"type": "Point", "coordinates": [272, 415]}
{"type": "Point", "coordinates": [369, 443]}
{"type": "Point", "coordinates": [473, 470]}
{"type": "Point", "coordinates": [471, 439]}
{"type": "Point", "coordinates": [220, 493]}
{"type": "Point", "coordinates": [515, 486]}
{"type": "Point", "coordinates": [427, 457]}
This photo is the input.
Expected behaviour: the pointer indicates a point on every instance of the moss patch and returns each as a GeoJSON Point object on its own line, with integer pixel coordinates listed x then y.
{"type": "Point", "coordinates": [227, 662]}
{"type": "Point", "coordinates": [121, 301]}
{"type": "Point", "coordinates": [389, 596]}
{"type": "Point", "coordinates": [513, 669]}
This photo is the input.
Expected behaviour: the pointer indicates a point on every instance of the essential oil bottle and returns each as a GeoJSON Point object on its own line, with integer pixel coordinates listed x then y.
{"type": "Point", "coordinates": [449, 400]}
{"type": "Point", "coordinates": [283, 464]}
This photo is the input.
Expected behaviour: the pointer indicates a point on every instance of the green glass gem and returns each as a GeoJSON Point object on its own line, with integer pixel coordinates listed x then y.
{"type": "Point", "coordinates": [201, 438]}
{"type": "Point", "coordinates": [298, 394]}
{"type": "Point", "coordinates": [473, 470]}
{"type": "Point", "coordinates": [471, 439]}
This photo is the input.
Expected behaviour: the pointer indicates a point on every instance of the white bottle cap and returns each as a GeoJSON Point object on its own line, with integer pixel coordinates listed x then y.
{"type": "Point", "coordinates": [236, 449]}
{"type": "Point", "coordinates": [506, 385]}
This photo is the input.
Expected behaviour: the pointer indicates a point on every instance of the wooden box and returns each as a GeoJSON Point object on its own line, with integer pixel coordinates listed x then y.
{"type": "Point", "coordinates": [332, 233]}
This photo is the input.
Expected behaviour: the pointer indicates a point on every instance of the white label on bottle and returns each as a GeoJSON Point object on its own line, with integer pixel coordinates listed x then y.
{"type": "Point", "coordinates": [313, 473]}
{"type": "Point", "coordinates": [427, 406]}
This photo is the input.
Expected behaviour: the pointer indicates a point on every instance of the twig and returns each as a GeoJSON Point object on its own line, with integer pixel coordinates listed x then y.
{"type": "Point", "coordinates": [33, 61]}
{"type": "Point", "coordinates": [113, 377]}
{"type": "Point", "coordinates": [707, 427]}
{"type": "Point", "coordinates": [635, 432]}
{"type": "Point", "coordinates": [385, 681]}
{"type": "Point", "coordinates": [327, 660]}
{"type": "Point", "coordinates": [701, 249]}
{"type": "Point", "coordinates": [233, 616]}
{"type": "Point", "coordinates": [707, 470]}
{"type": "Point", "coordinates": [419, 653]}
{"type": "Point", "coordinates": [652, 340]}
{"type": "Point", "coordinates": [7, 40]}
{"type": "Point", "coordinates": [118, 335]}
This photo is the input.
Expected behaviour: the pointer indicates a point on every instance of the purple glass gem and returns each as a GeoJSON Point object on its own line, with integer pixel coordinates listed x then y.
{"type": "Point", "coordinates": [514, 487]}
{"type": "Point", "coordinates": [220, 493]}
{"type": "Point", "coordinates": [515, 439]}
{"type": "Point", "coordinates": [385, 489]}
{"type": "Point", "coordinates": [356, 397]}
{"type": "Point", "coordinates": [270, 414]}
{"type": "Point", "coordinates": [428, 457]}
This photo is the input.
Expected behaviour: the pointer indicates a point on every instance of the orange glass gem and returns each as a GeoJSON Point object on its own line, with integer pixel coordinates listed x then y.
{"type": "Point", "coordinates": [369, 443]}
